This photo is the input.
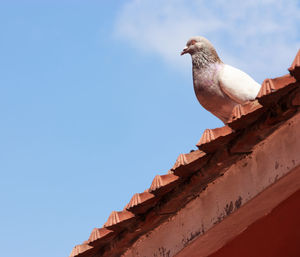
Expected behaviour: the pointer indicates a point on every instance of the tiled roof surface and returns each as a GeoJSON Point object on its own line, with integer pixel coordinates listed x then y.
{"type": "Point", "coordinates": [250, 123]}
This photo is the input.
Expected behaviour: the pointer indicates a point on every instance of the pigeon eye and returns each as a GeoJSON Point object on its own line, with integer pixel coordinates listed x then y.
{"type": "Point", "coordinates": [192, 42]}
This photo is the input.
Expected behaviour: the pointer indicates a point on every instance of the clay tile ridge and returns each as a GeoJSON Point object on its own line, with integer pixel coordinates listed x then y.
{"type": "Point", "coordinates": [188, 163]}
{"type": "Point", "coordinates": [245, 114]}
{"type": "Point", "coordinates": [99, 234]}
{"type": "Point", "coordinates": [267, 87]}
{"type": "Point", "coordinates": [270, 86]}
{"type": "Point", "coordinates": [139, 199]}
{"type": "Point", "coordinates": [211, 139]}
{"type": "Point", "coordinates": [237, 112]}
{"type": "Point", "coordinates": [160, 182]}
{"type": "Point", "coordinates": [295, 68]}
{"type": "Point", "coordinates": [79, 250]}
{"type": "Point", "coordinates": [117, 218]}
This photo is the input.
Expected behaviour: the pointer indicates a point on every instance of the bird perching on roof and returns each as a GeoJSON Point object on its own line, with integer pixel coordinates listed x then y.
{"type": "Point", "coordinates": [218, 86]}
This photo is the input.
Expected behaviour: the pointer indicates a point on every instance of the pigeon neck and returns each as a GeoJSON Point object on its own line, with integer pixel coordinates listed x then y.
{"type": "Point", "coordinates": [204, 58]}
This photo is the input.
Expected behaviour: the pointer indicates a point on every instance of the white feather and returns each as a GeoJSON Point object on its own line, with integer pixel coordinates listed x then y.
{"type": "Point", "coordinates": [238, 85]}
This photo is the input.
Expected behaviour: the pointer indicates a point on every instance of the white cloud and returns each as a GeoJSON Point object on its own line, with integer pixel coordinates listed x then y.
{"type": "Point", "coordinates": [261, 37]}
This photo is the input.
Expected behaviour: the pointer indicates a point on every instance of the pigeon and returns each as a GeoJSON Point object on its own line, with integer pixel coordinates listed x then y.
{"type": "Point", "coordinates": [218, 86]}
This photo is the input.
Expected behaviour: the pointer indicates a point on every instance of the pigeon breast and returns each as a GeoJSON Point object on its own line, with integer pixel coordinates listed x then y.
{"type": "Point", "coordinates": [209, 93]}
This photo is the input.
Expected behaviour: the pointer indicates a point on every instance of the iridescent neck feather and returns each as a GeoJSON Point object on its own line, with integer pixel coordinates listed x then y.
{"type": "Point", "coordinates": [204, 57]}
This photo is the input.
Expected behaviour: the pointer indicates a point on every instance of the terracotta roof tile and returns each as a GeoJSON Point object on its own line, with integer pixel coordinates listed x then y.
{"type": "Point", "coordinates": [100, 236]}
{"type": "Point", "coordinates": [140, 203]}
{"type": "Point", "coordinates": [213, 139]}
{"type": "Point", "coordinates": [273, 89]}
{"type": "Point", "coordinates": [186, 164]}
{"type": "Point", "coordinates": [245, 114]}
{"type": "Point", "coordinates": [163, 184]}
{"type": "Point", "coordinates": [81, 250]}
{"type": "Point", "coordinates": [295, 68]}
{"type": "Point", "coordinates": [267, 88]}
{"type": "Point", "coordinates": [117, 220]}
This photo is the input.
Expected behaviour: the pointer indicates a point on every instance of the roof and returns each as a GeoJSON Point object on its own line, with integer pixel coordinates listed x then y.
{"type": "Point", "coordinates": [219, 148]}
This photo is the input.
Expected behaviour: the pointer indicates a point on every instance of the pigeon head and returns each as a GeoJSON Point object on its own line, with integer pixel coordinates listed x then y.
{"type": "Point", "coordinates": [202, 49]}
{"type": "Point", "coordinates": [197, 44]}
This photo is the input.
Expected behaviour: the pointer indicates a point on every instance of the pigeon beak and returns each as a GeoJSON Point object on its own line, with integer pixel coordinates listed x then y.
{"type": "Point", "coordinates": [184, 51]}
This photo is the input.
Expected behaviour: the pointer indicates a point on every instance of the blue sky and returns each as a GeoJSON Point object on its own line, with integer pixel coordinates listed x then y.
{"type": "Point", "coordinates": [95, 101]}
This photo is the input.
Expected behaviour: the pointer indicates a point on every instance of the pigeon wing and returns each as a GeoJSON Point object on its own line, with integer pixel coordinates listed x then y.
{"type": "Point", "coordinates": [238, 85]}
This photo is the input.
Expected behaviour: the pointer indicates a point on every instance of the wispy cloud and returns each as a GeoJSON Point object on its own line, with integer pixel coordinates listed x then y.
{"type": "Point", "coordinates": [261, 37]}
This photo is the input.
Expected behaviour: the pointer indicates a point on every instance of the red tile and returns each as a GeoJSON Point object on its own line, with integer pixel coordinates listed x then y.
{"type": "Point", "coordinates": [117, 220]}
{"type": "Point", "coordinates": [170, 171]}
{"type": "Point", "coordinates": [267, 88]}
{"type": "Point", "coordinates": [140, 203]}
{"type": "Point", "coordinates": [186, 164]}
{"type": "Point", "coordinates": [82, 250]}
{"type": "Point", "coordinates": [138, 199]}
{"type": "Point", "coordinates": [295, 68]}
{"type": "Point", "coordinates": [237, 112]}
{"type": "Point", "coordinates": [214, 139]}
{"type": "Point", "coordinates": [245, 114]}
{"type": "Point", "coordinates": [163, 184]}
{"type": "Point", "coordinates": [273, 89]}
{"type": "Point", "coordinates": [100, 236]}
{"type": "Point", "coordinates": [207, 136]}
